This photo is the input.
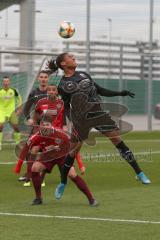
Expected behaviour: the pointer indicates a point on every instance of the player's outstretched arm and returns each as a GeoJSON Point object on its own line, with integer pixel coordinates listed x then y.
{"type": "Point", "coordinates": [109, 93]}
{"type": "Point", "coordinates": [127, 93]}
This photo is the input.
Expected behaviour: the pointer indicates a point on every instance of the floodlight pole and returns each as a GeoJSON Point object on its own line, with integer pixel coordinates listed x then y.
{"type": "Point", "coordinates": [109, 49]}
{"type": "Point", "coordinates": [121, 73]}
{"type": "Point", "coordinates": [149, 107]}
{"type": "Point", "coordinates": [88, 37]}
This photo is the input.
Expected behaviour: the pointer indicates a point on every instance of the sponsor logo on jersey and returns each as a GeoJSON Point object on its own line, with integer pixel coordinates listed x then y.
{"type": "Point", "coordinates": [58, 140]}
{"type": "Point", "coordinates": [52, 111]}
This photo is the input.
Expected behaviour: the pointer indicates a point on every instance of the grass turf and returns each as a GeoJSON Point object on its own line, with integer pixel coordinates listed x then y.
{"type": "Point", "coordinates": [111, 180]}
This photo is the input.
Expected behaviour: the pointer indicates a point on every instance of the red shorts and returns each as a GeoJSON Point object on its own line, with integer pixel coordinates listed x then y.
{"type": "Point", "coordinates": [50, 164]}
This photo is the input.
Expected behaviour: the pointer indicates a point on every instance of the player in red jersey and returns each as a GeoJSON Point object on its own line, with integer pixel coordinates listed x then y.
{"type": "Point", "coordinates": [47, 105]}
{"type": "Point", "coordinates": [53, 107]}
{"type": "Point", "coordinates": [46, 148]}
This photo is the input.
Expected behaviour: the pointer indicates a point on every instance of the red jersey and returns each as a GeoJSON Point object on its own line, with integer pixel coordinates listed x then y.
{"type": "Point", "coordinates": [51, 147]}
{"type": "Point", "coordinates": [54, 109]}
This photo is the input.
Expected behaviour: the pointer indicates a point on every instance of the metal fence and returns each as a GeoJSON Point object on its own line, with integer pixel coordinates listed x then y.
{"type": "Point", "coordinates": [125, 67]}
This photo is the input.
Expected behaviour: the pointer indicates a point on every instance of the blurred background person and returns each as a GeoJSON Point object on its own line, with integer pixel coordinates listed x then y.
{"type": "Point", "coordinates": [10, 109]}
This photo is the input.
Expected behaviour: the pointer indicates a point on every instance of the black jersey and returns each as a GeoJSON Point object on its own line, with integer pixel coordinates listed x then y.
{"type": "Point", "coordinates": [81, 82]}
{"type": "Point", "coordinates": [33, 98]}
{"type": "Point", "coordinates": [81, 96]}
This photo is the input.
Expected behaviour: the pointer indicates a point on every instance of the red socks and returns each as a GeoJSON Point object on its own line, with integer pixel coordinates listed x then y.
{"type": "Point", "coordinates": [36, 179]}
{"type": "Point", "coordinates": [83, 187]}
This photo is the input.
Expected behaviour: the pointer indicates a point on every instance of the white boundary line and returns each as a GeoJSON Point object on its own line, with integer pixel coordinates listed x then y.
{"type": "Point", "coordinates": [81, 218]}
{"type": "Point", "coordinates": [101, 141]}
{"type": "Point", "coordinates": [7, 163]}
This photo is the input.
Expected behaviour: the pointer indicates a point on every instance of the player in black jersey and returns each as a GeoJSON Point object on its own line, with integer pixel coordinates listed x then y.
{"type": "Point", "coordinates": [81, 96]}
{"type": "Point", "coordinates": [34, 96]}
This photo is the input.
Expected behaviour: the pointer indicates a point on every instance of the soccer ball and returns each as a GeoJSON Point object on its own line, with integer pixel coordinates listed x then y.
{"type": "Point", "coordinates": [66, 29]}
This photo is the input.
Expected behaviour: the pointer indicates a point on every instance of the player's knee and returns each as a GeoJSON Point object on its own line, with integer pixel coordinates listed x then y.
{"type": "Point", "coordinates": [34, 168]}
{"type": "Point", "coordinates": [37, 167]}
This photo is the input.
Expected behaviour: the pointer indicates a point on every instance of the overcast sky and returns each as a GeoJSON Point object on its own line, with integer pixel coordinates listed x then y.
{"type": "Point", "coordinates": [130, 19]}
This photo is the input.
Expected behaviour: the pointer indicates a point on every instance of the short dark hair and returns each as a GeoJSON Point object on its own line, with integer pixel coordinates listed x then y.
{"type": "Point", "coordinates": [44, 71]}
{"type": "Point", "coordinates": [52, 85]}
{"type": "Point", "coordinates": [6, 77]}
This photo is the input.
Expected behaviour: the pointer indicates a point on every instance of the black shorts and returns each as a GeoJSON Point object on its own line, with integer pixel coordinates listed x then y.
{"type": "Point", "coordinates": [81, 131]}
{"type": "Point", "coordinates": [110, 125]}
{"type": "Point", "coordinates": [91, 116]}
{"type": "Point", "coordinates": [50, 164]}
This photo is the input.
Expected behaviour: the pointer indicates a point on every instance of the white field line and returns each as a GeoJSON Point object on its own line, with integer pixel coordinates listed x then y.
{"type": "Point", "coordinates": [94, 156]}
{"type": "Point", "coordinates": [135, 221]}
{"type": "Point", "coordinates": [102, 141]}
{"type": "Point", "coordinates": [130, 140]}
{"type": "Point", "coordinates": [7, 163]}
{"type": "Point", "coordinates": [8, 144]}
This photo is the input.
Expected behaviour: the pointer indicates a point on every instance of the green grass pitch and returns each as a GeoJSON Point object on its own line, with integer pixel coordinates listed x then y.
{"type": "Point", "coordinates": [121, 198]}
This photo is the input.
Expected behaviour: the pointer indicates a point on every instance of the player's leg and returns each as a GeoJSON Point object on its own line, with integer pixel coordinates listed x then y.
{"type": "Point", "coordinates": [42, 175]}
{"type": "Point", "coordinates": [13, 120]}
{"type": "Point", "coordinates": [69, 160]}
{"type": "Point", "coordinates": [37, 168]}
{"type": "Point", "coordinates": [1, 135]}
{"type": "Point", "coordinates": [2, 121]}
{"type": "Point", "coordinates": [28, 176]}
{"type": "Point", "coordinates": [30, 159]}
{"type": "Point", "coordinates": [23, 177]}
{"type": "Point", "coordinates": [18, 150]}
{"type": "Point", "coordinates": [82, 186]}
{"type": "Point", "coordinates": [127, 154]}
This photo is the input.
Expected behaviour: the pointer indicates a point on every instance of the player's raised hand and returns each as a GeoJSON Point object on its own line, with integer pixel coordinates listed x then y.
{"type": "Point", "coordinates": [127, 93]}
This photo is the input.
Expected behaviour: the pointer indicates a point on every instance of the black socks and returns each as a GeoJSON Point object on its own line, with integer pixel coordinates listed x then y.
{"type": "Point", "coordinates": [127, 154]}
